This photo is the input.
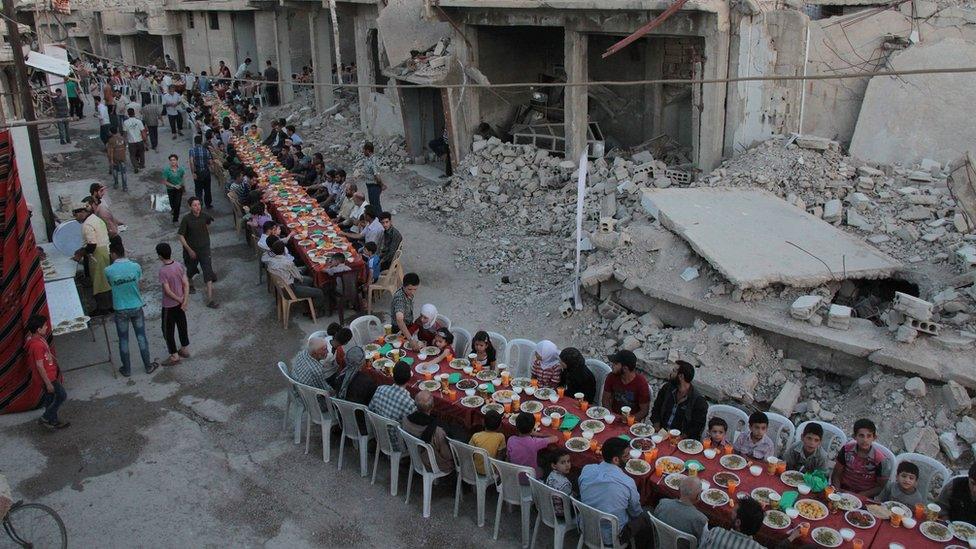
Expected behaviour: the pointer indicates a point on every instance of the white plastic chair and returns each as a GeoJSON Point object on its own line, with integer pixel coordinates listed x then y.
{"type": "Point", "coordinates": [667, 537]}
{"type": "Point", "coordinates": [289, 400]}
{"type": "Point", "coordinates": [736, 418]}
{"type": "Point", "coordinates": [426, 468]}
{"type": "Point", "coordinates": [444, 321]}
{"type": "Point", "coordinates": [317, 416]}
{"type": "Point", "coordinates": [500, 343]}
{"type": "Point", "coordinates": [600, 371]}
{"type": "Point", "coordinates": [385, 430]}
{"type": "Point", "coordinates": [781, 431]}
{"type": "Point", "coordinates": [591, 521]}
{"type": "Point", "coordinates": [518, 356]}
{"type": "Point", "coordinates": [462, 341]}
{"type": "Point", "coordinates": [464, 459]}
{"type": "Point", "coordinates": [543, 497]}
{"type": "Point", "coordinates": [929, 470]}
{"type": "Point", "coordinates": [511, 491]}
{"type": "Point", "coordinates": [366, 329]}
{"type": "Point", "coordinates": [833, 436]}
{"type": "Point", "coordinates": [350, 430]}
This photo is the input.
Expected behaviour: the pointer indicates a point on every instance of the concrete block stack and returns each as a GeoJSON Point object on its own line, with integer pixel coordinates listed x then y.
{"type": "Point", "coordinates": [909, 316]}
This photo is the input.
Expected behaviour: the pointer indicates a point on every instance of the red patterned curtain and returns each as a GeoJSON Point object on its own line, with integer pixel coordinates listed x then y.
{"type": "Point", "coordinates": [21, 289]}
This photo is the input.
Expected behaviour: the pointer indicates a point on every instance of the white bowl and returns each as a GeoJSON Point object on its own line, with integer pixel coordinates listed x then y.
{"type": "Point", "coordinates": [908, 522]}
{"type": "Point", "coordinates": [656, 439]}
{"type": "Point", "coordinates": [709, 454]}
{"type": "Point", "coordinates": [530, 391]}
{"type": "Point", "coordinates": [546, 421]}
{"type": "Point", "coordinates": [609, 418]}
{"type": "Point", "coordinates": [755, 470]}
{"type": "Point", "coordinates": [397, 344]}
{"type": "Point", "coordinates": [635, 454]}
{"type": "Point", "coordinates": [469, 392]}
{"type": "Point", "coordinates": [518, 390]}
{"type": "Point", "coordinates": [803, 489]}
{"type": "Point", "coordinates": [625, 410]}
{"type": "Point", "coordinates": [895, 546]}
{"type": "Point", "coordinates": [468, 370]}
{"type": "Point", "coordinates": [705, 485]}
{"type": "Point", "coordinates": [578, 396]}
{"type": "Point", "coordinates": [554, 398]}
{"type": "Point", "coordinates": [422, 356]}
{"type": "Point", "coordinates": [588, 435]}
{"type": "Point", "coordinates": [497, 382]}
{"type": "Point", "coordinates": [847, 534]}
{"type": "Point", "coordinates": [675, 433]}
{"type": "Point", "coordinates": [792, 513]}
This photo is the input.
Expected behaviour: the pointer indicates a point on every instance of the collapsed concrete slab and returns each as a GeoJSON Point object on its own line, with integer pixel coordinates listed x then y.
{"type": "Point", "coordinates": [756, 239]}
{"type": "Point", "coordinates": [929, 124]}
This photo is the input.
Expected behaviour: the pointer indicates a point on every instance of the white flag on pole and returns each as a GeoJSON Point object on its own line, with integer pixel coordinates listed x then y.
{"type": "Point", "coordinates": [580, 199]}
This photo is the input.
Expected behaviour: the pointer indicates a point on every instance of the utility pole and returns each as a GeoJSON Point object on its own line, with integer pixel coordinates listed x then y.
{"type": "Point", "coordinates": [23, 89]}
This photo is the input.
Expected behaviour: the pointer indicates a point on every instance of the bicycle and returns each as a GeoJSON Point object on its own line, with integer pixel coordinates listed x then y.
{"type": "Point", "coordinates": [32, 525]}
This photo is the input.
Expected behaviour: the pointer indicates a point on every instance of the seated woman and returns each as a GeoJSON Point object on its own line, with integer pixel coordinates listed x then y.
{"type": "Point", "coordinates": [425, 326]}
{"type": "Point", "coordinates": [546, 364]}
{"type": "Point", "coordinates": [575, 376]}
{"type": "Point", "coordinates": [443, 340]}
{"type": "Point", "coordinates": [485, 351]}
{"type": "Point", "coordinates": [258, 216]}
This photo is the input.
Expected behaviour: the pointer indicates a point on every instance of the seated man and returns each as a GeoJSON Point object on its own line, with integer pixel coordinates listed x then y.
{"type": "Point", "coordinates": [358, 206]}
{"type": "Point", "coordinates": [678, 405]}
{"type": "Point", "coordinates": [958, 498]}
{"type": "Point", "coordinates": [748, 520]}
{"type": "Point", "coordinates": [861, 467]}
{"type": "Point", "coordinates": [423, 426]}
{"type": "Point", "coordinates": [394, 401]}
{"type": "Point", "coordinates": [605, 486]}
{"type": "Point", "coordinates": [681, 513]}
{"type": "Point", "coordinates": [372, 232]}
{"type": "Point", "coordinates": [312, 366]}
{"type": "Point", "coordinates": [283, 267]}
{"type": "Point", "coordinates": [626, 387]}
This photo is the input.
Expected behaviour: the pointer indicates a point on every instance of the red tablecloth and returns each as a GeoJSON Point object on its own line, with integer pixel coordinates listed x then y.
{"type": "Point", "coordinates": [912, 539]}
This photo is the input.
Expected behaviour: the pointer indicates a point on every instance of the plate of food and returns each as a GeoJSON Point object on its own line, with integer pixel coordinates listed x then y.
{"type": "Point", "coordinates": [429, 385]}
{"type": "Point", "coordinates": [811, 509]}
{"type": "Point", "coordinates": [544, 393]}
{"type": "Point", "coordinates": [935, 531]}
{"type": "Point", "coordinates": [762, 493]}
{"type": "Point", "coordinates": [860, 519]}
{"type": "Point", "coordinates": [550, 410]}
{"type": "Point", "coordinates": [733, 462]}
{"type": "Point", "coordinates": [485, 375]}
{"type": "Point", "coordinates": [502, 396]}
{"type": "Point", "coordinates": [637, 467]}
{"type": "Point", "coordinates": [466, 384]}
{"type": "Point", "coordinates": [848, 502]}
{"type": "Point", "coordinates": [722, 478]}
{"type": "Point", "coordinates": [382, 363]}
{"type": "Point", "coordinates": [889, 505]}
{"type": "Point", "coordinates": [962, 530]}
{"type": "Point", "coordinates": [493, 407]}
{"type": "Point", "coordinates": [307, 243]}
{"type": "Point", "coordinates": [531, 406]}
{"type": "Point", "coordinates": [641, 430]}
{"type": "Point", "coordinates": [673, 481]}
{"type": "Point", "coordinates": [426, 368]}
{"type": "Point", "coordinates": [473, 401]}
{"type": "Point", "coordinates": [597, 412]}
{"type": "Point", "coordinates": [879, 512]}
{"type": "Point", "coordinates": [593, 425]}
{"type": "Point", "coordinates": [459, 363]}
{"type": "Point", "coordinates": [431, 351]}
{"type": "Point", "coordinates": [776, 519]}
{"type": "Point", "coordinates": [642, 444]}
{"type": "Point", "coordinates": [521, 382]}
{"type": "Point", "coordinates": [371, 348]}
{"type": "Point", "coordinates": [670, 464]}
{"type": "Point", "coordinates": [690, 446]}
{"type": "Point", "coordinates": [827, 537]}
{"type": "Point", "coordinates": [792, 478]}
{"type": "Point", "coordinates": [715, 497]}
{"type": "Point", "coordinates": [577, 444]}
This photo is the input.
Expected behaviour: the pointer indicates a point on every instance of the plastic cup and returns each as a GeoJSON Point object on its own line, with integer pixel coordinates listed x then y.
{"type": "Point", "coordinates": [530, 391]}
{"type": "Point", "coordinates": [505, 378]}
{"type": "Point", "coordinates": [804, 529]}
{"type": "Point", "coordinates": [659, 468]}
{"type": "Point", "coordinates": [792, 513]}
{"type": "Point", "coordinates": [847, 534]}
{"type": "Point", "coordinates": [578, 396]}
{"type": "Point", "coordinates": [554, 399]}
{"type": "Point", "coordinates": [497, 382]}
{"type": "Point", "coordinates": [774, 500]}
{"type": "Point", "coordinates": [535, 383]}
{"type": "Point", "coordinates": [588, 435]}
{"type": "Point", "coordinates": [546, 421]}
{"type": "Point", "coordinates": [468, 370]}
{"type": "Point", "coordinates": [705, 485]}
{"type": "Point", "coordinates": [857, 543]}
{"type": "Point", "coordinates": [387, 329]}
{"type": "Point", "coordinates": [648, 456]}
{"type": "Point", "coordinates": [772, 462]}
{"type": "Point", "coordinates": [727, 450]}
{"type": "Point", "coordinates": [732, 486]}
{"type": "Point", "coordinates": [919, 511]}
{"type": "Point", "coordinates": [755, 470]}
{"type": "Point", "coordinates": [803, 489]}
{"type": "Point", "coordinates": [674, 433]}
{"type": "Point", "coordinates": [625, 410]}
{"type": "Point", "coordinates": [692, 470]}
{"type": "Point", "coordinates": [428, 376]}
{"type": "Point", "coordinates": [781, 467]}
{"type": "Point", "coordinates": [908, 522]}
{"type": "Point", "coordinates": [518, 390]}
{"type": "Point", "coordinates": [707, 444]}
{"type": "Point", "coordinates": [709, 453]}
{"type": "Point", "coordinates": [561, 391]}
{"type": "Point", "coordinates": [657, 439]}
{"type": "Point", "coordinates": [897, 514]}
{"type": "Point", "coordinates": [593, 444]}
{"type": "Point", "coordinates": [538, 417]}
{"type": "Point", "coordinates": [469, 392]}
{"type": "Point", "coordinates": [567, 434]}
{"type": "Point", "coordinates": [609, 418]}
{"type": "Point", "coordinates": [584, 405]}
{"type": "Point", "coordinates": [557, 419]}
{"type": "Point", "coordinates": [932, 511]}
{"type": "Point", "coordinates": [630, 419]}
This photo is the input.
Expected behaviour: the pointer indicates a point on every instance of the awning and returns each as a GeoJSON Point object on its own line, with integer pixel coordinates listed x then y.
{"type": "Point", "coordinates": [49, 64]}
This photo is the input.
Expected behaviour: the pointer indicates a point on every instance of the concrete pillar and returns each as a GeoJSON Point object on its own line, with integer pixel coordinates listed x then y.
{"type": "Point", "coordinates": [576, 104]}
{"type": "Point", "coordinates": [283, 53]}
{"type": "Point", "coordinates": [320, 34]}
{"type": "Point", "coordinates": [712, 119]}
{"type": "Point", "coordinates": [654, 108]}
{"type": "Point", "coordinates": [129, 50]}
{"type": "Point", "coordinates": [463, 110]}
{"type": "Point", "coordinates": [264, 35]}
{"type": "Point", "coordinates": [171, 47]}
{"type": "Point", "coordinates": [364, 67]}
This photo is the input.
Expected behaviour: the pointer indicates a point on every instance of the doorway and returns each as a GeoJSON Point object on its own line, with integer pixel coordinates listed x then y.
{"type": "Point", "coordinates": [423, 118]}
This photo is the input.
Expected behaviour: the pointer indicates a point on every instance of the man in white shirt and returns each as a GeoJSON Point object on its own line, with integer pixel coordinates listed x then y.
{"type": "Point", "coordinates": [242, 69]}
{"type": "Point", "coordinates": [167, 83]}
{"type": "Point", "coordinates": [171, 101]}
{"type": "Point", "coordinates": [135, 137]}
{"type": "Point", "coordinates": [104, 120]}
{"type": "Point", "coordinates": [372, 232]}
{"type": "Point", "coordinates": [134, 105]}
{"type": "Point", "coordinates": [189, 78]}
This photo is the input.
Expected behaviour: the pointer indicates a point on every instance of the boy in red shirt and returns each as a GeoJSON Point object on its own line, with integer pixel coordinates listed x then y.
{"type": "Point", "coordinates": [40, 357]}
{"type": "Point", "coordinates": [861, 467]}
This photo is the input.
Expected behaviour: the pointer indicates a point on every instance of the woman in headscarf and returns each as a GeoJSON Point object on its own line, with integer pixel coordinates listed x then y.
{"type": "Point", "coordinates": [575, 376]}
{"type": "Point", "coordinates": [546, 364]}
{"type": "Point", "coordinates": [425, 327]}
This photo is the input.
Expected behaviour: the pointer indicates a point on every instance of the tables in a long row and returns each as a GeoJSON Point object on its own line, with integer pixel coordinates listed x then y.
{"type": "Point", "coordinates": [452, 403]}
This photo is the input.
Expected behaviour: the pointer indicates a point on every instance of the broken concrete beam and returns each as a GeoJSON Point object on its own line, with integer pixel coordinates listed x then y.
{"type": "Point", "coordinates": [912, 306]}
{"type": "Point", "coordinates": [596, 274]}
{"type": "Point", "coordinates": [815, 143]}
{"type": "Point", "coordinates": [956, 397]}
{"type": "Point", "coordinates": [930, 328]}
{"type": "Point", "coordinates": [786, 400]}
{"type": "Point", "coordinates": [805, 306]}
{"type": "Point", "coordinates": [839, 317]}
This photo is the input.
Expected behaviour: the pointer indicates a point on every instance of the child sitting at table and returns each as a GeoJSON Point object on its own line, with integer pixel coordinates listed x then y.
{"type": "Point", "coordinates": [485, 351]}
{"type": "Point", "coordinates": [558, 464]}
{"type": "Point", "coordinates": [372, 260]}
{"type": "Point", "coordinates": [807, 455]}
{"type": "Point", "coordinates": [258, 216]}
{"type": "Point", "coordinates": [904, 489]}
{"type": "Point", "coordinates": [489, 440]}
{"type": "Point", "coordinates": [443, 340]}
{"type": "Point", "coordinates": [861, 467]}
{"type": "Point", "coordinates": [717, 429]}
{"type": "Point", "coordinates": [755, 443]}
{"type": "Point", "coordinates": [523, 448]}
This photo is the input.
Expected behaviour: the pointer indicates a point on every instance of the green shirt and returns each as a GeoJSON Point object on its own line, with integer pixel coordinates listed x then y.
{"type": "Point", "coordinates": [172, 177]}
{"type": "Point", "coordinates": [123, 276]}
{"type": "Point", "coordinates": [71, 88]}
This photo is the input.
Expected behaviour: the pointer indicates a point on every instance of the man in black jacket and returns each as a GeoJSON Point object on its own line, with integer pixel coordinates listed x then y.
{"type": "Point", "coordinates": [678, 405]}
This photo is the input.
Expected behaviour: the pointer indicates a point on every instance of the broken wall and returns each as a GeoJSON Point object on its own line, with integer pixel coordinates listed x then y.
{"type": "Point", "coordinates": [403, 27]}
{"type": "Point", "coordinates": [629, 118]}
{"type": "Point", "coordinates": [383, 117]}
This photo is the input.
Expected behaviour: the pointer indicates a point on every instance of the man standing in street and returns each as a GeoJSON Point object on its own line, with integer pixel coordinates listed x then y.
{"type": "Point", "coordinates": [135, 137]}
{"type": "Point", "coordinates": [61, 110]}
{"type": "Point", "coordinates": [390, 242]}
{"type": "Point", "coordinates": [123, 276]}
{"type": "Point", "coordinates": [143, 88]}
{"type": "Point", "coordinates": [150, 118]}
{"type": "Point", "coordinates": [242, 69]}
{"type": "Point", "coordinates": [104, 119]}
{"type": "Point", "coordinates": [116, 158]}
{"type": "Point", "coordinates": [200, 169]}
{"type": "Point", "coordinates": [108, 95]}
{"type": "Point", "coordinates": [194, 235]}
{"type": "Point", "coordinates": [271, 88]}
{"type": "Point", "coordinates": [96, 192]}
{"type": "Point", "coordinates": [374, 183]}
{"type": "Point", "coordinates": [75, 106]}
{"type": "Point", "coordinates": [171, 100]}
{"type": "Point", "coordinates": [176, 290]}
{"type": "Point", "coordinates": [173, 175]}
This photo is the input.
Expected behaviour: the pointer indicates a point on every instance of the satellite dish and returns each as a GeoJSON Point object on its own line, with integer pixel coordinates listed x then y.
{"type": "Point", "coordinates": [67, 237]}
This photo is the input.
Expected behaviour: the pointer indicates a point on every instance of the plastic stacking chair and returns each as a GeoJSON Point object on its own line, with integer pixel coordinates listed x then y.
{"type": "Point", "coordinates": [465, 460]}
{"type": "Point", "coordinates": [736, 418]}
{"type": "Point", "coordinates": [462, 341]}
{"type": "Point", "coordinates": [444, 321]}
{"type": "Point", "coordinates": [500, 343]}
{"type": "Point", "coordinates": [350, 430]}
{"type": "Point", "coordinates": [518, 356]}
{"type": "Point", "coordinates": [286, 298]}
{"type": "Point", "coordinates": [388, 281]}
{"type": "Point", "coordinates": [423, 462]}
{"type": "Point", "coordinates": [600, 371]}
{"type": "Point", "coordinates": [781, 431]}
{"type": "Point", "coordinates": [543, 497]}
{"type": "Point", "coordinates": [318, 416]}
{"type": "Point", "coordinates": [668, 537]}
{"type": "Point", "coordinates": [289, 400]}
{"type": "Point", "coordinates": [387, 433]}
{"type": "Point", "coordinates": [511, 491]}
{"type": "Point", "coordinates": [931, 473]}
{"type": "Point", "coordinates": [366, 329]}
{"type": "Point", "coordinates": [591, 523]}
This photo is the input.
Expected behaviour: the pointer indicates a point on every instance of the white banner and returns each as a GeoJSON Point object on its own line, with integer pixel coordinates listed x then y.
{"type": "Point", "coordinates": [580, 199]}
